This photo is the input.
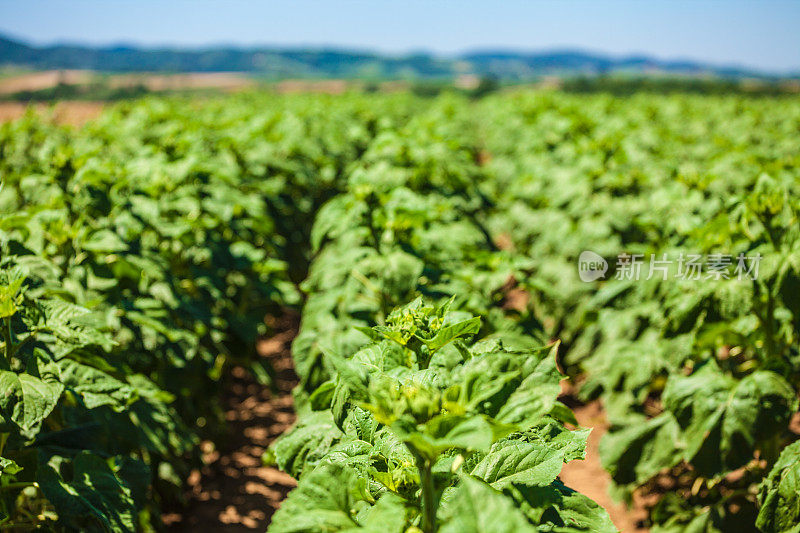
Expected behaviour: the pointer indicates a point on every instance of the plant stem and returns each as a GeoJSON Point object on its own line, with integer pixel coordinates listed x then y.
{"type": "Point", "coordinates": [17, 526]}
{"type": "Point", "coordinates": [429, 502]}
{"type": "Point", "coordinates": [5, 363]}
{"type": "Point", "coordinates": [8, 338]}
{"type": "Point", "coordinates": [766, 317]}
{"type": "Point", "coordinates": [20, 344]}
{"type": "Point", "coordinates": [19, 485]}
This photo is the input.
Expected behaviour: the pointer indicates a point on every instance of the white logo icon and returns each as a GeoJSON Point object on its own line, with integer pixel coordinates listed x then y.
{"type": "Point", "coordinates": [591, 266]}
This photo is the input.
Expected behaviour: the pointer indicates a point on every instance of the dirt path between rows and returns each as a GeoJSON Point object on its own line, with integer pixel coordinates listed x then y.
{"type": "Point", "coordinates": [234, 492]}
{"type": "Point", "coordinates": [588, 476]}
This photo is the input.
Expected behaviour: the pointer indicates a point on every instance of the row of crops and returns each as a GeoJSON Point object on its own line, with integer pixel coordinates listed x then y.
{"type": "Point", "coordinates": [432, 246]}
{"type": "Point", "coordinates": [699, 375]}
{"type": "Point", "coordinates": [140, 256]}
{"type": "Point", "coordinates": [413, 411]}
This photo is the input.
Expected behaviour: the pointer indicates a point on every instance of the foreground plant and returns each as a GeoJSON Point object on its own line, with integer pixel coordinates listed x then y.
{"type": "Point", "coordinates": [425, 428]}
{"type": "Point", "coordinates": [58, 391]}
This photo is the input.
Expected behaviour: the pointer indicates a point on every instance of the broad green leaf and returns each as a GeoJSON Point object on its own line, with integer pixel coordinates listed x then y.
{"type": "Point", "coordinates": [638, 452]}
{"type": "Point", "coordinates": [27, 400]}
{"type": "Point", "coordinates": [8, 467]}
{"type": "Point", "coordinates": [558, 508]}
{"type": "Point", "coordinates": [104, 241]}
{"type": "Point", "coordinates": [388, 515]}
{"type": "Point", "coordinates": [519, 462]}
{"type": "Point", "coordinates": [443, 432]}
{"type": "Point", "coordinates": [94, 386]}
{"type": "Point", "coordinates": [779, 494]}
{"type": "Point", "coordinates": [475, 507]}
{"type": "Point", "coordinates": [92, 498]}
{"type": "Point", "coordinates": [535, 395]}
{"type": "Point", "coordinates": [305, 444]}
{"type": "Point", "coordinates": [327, 500]}
{"type": "Point", "coordinates": [448, 334]}
{"type": "Point", "coordinates": [11, 296]}
{"type": "Point", "coordinates": [723, 421]}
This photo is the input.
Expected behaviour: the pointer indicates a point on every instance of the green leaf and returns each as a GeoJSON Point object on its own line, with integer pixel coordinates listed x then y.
{"type": "Point", "coordinates": [328, 499]}
{"type": "Point", "coordinates": [448, 334]}
{"type": "Point", "coordinates": [27, 400]}
{"type": "Point", "coordinates": [104, 241]}
{"type": "Point", "coordinates": [96, 387]}
{"type": "Point", "coordinates": [443, 432]}
{"type": "Point", "coordinates": [551, 433]}
{"type": "Point", "coordinates": [306, 443]}
{"type": "Point", "coordinates": [558, 508]}
{"type": "Point", "coordinates": [722, 420]}
{"type": "Point", "coordinates": [640, 451]}
{"type": "Point", "coordinates": [475, 507]}
{"type": "Point", "coordinates": [520, 462]}
{"type": "Point", "coordinates": [779, 494]}
{"type": "Point", "coordinates": [73, 326]}
{"type": "Point", "coordinates": [388, 515]}
{"type": "Point", "coordinates": [11, 296]}
{"type": "Point", "coordinates": [691, 521]}
{"type": "Point", "coordinates": [93, 498]}
{"type": "Point", "coordinates": [579, 512]}
{"type": "Point", "coordinates": [8, 467]}
{"type": "Point", "coordinates": [515, 387]}
{"type": "Point", "coordinates": [536, 394]}
{"type": "Point", "coordinates": [563, 413]}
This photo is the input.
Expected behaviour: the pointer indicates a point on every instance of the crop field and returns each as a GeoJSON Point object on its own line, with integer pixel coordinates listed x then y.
{"type": "Point", "coordinates": [467, 273]}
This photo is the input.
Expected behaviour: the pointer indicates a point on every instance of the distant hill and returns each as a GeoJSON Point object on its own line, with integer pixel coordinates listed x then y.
{"type": "Point", "coordinates": [335, 63]}
{"type": "Point", "coordinates": [518, 65]}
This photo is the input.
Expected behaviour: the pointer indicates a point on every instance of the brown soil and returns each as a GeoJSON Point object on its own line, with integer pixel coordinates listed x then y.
{"type": "Point", "coordinates": [36, 81]}
{"type": "Point", "coordinates": [313, 86]}
{"type": "Point", "coordinates": [224, 81]}
{"type": "Point", "coordinates": [588, 477]}
{"type": "Point", "coordinates": [335, 86]}
{"type": "Point", "coordinates": [72, 113]}
{"type": "Point", "coordinates": [234, 492]}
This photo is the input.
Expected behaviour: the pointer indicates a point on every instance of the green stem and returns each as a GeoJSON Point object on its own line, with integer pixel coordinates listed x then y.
{"type": "Point", "coordinates": [18, 526]}
{"type": "Point", "coordinates": [19, 485]}
{"type": "Point", "coordinates": [766, 319]}
{"type": "Point", "coordinates": [8, 338]}
{"type": "Point", "coordinates": [429, 502]}
{"type": "Point", "coordinates": [5, 363]}
{"type": "Point", "coordinates": [769, 333]}
{"type": "Point", "coordinates": [20, 344]}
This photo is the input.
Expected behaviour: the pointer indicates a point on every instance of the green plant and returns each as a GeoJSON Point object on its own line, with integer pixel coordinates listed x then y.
{"type": "Point", "coordinates": [58, 392]}
{"type": "Point", "coordinates": [422, 422]}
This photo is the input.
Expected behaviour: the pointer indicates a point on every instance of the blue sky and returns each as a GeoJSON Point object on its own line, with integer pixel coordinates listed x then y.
{"type": "Point", "coordinates": [762, 34]}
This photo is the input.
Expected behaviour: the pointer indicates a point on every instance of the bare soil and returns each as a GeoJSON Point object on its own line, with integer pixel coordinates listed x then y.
{"type": "Point", "coordinates": [36, 81]}
{"type": "Point", "coordinates": [224, 81]}
{"type": "Point", "coordinates": [234, 492]}
{"type": "Point", "coordinates": [588, 476]}
{"type": "Point", "coordinates": [313, 86]}
{"type": "Point", "coordinates": [71, 113]}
